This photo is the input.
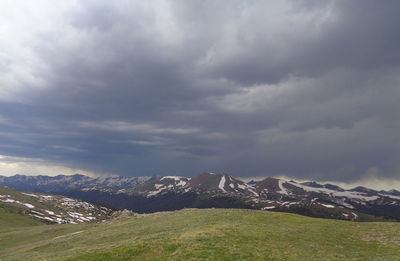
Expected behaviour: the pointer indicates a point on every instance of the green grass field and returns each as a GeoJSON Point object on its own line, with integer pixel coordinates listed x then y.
{"type": "Point", "coordinates": [210, 234]}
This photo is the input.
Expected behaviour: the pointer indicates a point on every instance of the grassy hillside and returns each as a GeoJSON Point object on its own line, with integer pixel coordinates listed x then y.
{"type": "Point", "coordinates": [49, 208]}
{"type": "Point", "coordinates": [10, 218]}
{"type": "Point", "coordinates": [209, 234]}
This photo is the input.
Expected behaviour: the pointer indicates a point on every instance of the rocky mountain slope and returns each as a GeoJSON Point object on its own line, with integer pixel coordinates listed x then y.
{"type": "Point", "coordinates": [223, 191]}
{"type": "Point", "coordinates": [51, 208]}
{"type": "Point", "coordinates": [317, 200]}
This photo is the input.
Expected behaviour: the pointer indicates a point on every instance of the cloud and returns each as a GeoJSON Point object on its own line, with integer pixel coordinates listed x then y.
{"type": "Point", "coordinates": [16, 165]}
{"type": "Point", "coordinates": [307, 89]}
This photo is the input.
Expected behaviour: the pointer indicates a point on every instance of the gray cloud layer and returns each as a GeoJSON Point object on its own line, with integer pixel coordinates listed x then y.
{"type": "Point", "coordinates": [309, 89]}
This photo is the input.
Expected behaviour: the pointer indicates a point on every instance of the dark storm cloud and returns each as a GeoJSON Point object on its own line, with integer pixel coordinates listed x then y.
{"type": "Point", "coordinates": [308, 89]}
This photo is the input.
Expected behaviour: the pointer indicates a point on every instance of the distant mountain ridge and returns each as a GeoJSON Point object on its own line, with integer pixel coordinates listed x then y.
{"type": "Point", "coordinates": [60, 183]}
{"type": "Point", "coordinates": [151, 194]}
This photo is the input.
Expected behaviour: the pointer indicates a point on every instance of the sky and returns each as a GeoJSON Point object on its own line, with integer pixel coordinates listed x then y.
{"type": "Point", "coordinates": [295, 88]}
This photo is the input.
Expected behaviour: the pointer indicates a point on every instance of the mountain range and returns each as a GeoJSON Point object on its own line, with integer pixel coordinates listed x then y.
{"type": "Point", "coordinates": [210, 190]}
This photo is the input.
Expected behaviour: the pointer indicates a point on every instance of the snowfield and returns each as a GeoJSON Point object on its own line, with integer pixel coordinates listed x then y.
{"type": "Point", "coordinates": [222, 184]}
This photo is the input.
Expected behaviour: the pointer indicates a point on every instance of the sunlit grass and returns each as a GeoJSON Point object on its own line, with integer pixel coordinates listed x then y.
{"type": "Point", "coordinates": [222, 234]}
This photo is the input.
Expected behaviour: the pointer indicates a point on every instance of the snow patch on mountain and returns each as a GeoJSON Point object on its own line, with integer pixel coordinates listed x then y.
{"type": "Point", "coordinates": [181, 183]}
{"type": "Point", "coordinates": [222, 184]}
{"type": "Point", "coordinates": [389, 196]}
{"type": "Point", "coordinates": [159, 190]}
{"type": "Point", "coordinates": [282, 188]}
{"type": "Point", "coordinates": [176, 178]}
{"type": "Point", "coordinates": [248, 188]}
{"type": "Point", "coordinates": [335, 193]}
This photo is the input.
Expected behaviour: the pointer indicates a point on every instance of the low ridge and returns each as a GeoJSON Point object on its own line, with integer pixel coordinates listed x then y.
{"type": "Point", "coordinates": [51, 208]}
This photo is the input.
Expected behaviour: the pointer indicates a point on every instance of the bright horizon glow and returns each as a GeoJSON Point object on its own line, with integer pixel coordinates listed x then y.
{"type": "Point", "coordinates": [10, 166]}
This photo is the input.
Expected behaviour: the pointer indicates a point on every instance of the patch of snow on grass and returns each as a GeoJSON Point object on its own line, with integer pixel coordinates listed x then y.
{"type": "Point", "coordinates": [85, 219]}
{"type": "Point", "coordinates": [49, 212]}
{"type": "Point", "coordinates": [10, 200]}
{"type": "Point", "coordinates": [328, 206]}
{"type": "Point", "coordinates": [75, 214]}
{"type": "Point", "coordinates": [28, 205]}
{"type": "Point", "coordinates": [49, 219]}
{"type": "Point", "coordinates": [31, 195]}
{"type": "Point", "coordinates": [36, 212]}
{"type": "Point", "coordinates": [45, 218]}
{"type": "Point", "coordinates": [270, 207]}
